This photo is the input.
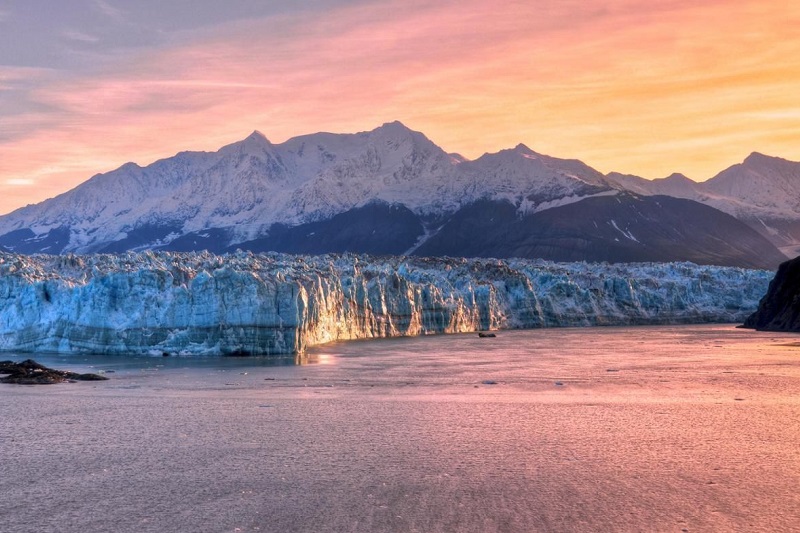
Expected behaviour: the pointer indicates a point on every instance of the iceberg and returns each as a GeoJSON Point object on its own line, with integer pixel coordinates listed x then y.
{"type": "Point", "coordinates": [166, 303]}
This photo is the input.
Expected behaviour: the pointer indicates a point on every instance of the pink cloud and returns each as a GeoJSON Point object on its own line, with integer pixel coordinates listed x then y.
{"type": "Point", "coordinates": [621, 86]}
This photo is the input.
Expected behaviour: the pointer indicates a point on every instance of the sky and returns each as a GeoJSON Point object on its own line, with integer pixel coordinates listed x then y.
{"type": "Point", "coordinates": [645, 88]}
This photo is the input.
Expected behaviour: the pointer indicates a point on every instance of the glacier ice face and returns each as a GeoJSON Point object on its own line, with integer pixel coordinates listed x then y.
{"type": "Point", "coordinates": [273, 304]}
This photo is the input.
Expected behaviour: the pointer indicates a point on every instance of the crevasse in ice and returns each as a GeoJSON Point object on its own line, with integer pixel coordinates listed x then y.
{"type": "Point", "coordinates": [272, 304]}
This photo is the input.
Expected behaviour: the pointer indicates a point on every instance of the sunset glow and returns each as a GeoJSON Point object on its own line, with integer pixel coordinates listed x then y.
{"type": "Point", "coordinates": [640, 88]}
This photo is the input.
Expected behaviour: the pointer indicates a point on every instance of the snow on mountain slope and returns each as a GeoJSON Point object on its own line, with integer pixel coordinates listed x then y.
{"type": "Point", "coordinates": [249, 185]}
{"type": "Point", "coordinates": [759, 186]}
{"type": "Point", "coordinates": [762, 191]}
{"type": "Point", "coordinates": [544, 179]}
{"type": "Point", "coordinates": [252, 190]}
{"type": "Point", "coordinates": [188, 304]}
{"type": "Point", "coordinates": [391, 164]}
{"type": "Point", "coordinates": [675, 185]}
{"type": "Point", "coordinates": [101, 209]}
{"type": "Point", "coordinates": [121, 195]}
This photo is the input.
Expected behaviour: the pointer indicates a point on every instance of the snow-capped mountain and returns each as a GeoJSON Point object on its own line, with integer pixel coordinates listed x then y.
{"type": "Point", "coordinates": [247, 186]}
{"type": "Point", "coordinates": [676, 185]}
{"type": "Point", "coordinates": [531, 182]}
{"type": "Point", "coordinates": [390, 191]}
{"type": "Point", "coordinates": [762, 191]}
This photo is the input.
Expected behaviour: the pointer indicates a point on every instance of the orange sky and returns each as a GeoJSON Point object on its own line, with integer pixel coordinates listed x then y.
{"type": "Point", "coordinates": [646, 88]}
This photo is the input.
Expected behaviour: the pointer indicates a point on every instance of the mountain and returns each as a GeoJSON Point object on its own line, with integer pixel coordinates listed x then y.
{"type": "Point", "coordinates": [676, 185]}
{"type": "Point", "coordinates": [762, 191]}
{"type": "Point", "coordinates": [621, 228]}
{"type": "Point", "coordinates": [241, 191]}
{"type": "Point", "coordinates": [386, 191]}
{"type": "Point", "coordinates": [250, 185]}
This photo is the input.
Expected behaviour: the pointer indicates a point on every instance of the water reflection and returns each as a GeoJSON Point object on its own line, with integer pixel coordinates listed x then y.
{"type": "Point", "coordinates": [691, 428]}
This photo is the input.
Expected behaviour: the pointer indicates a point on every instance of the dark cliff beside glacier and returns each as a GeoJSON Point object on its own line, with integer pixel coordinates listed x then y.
{"type": "Point", "coordinates": [779, 309]}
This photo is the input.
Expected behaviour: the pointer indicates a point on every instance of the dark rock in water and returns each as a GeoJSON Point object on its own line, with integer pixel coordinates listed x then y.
{"type": "Point", "coordinates": [29, 372]}
{"type": "Point", "coordinates": [486, 335]}
{"type": "Point", "coordinates": [779, 309]}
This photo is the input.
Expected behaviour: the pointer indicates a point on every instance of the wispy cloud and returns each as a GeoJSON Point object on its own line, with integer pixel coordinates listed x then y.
{"type": "Point", "coordinates": [10, 73]}
{"type": "Point", "coordinates": [74, 35]}
{"type": "Point", "coordinates": [110, 10]}
{"type": "Point", "coordinates": [17, 182]}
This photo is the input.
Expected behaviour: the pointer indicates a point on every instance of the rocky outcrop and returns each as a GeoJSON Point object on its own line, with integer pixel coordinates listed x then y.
{"type": "Point", "coordinates": [29, 372]}
{"type": "Point", "coordinates": [779, 309]}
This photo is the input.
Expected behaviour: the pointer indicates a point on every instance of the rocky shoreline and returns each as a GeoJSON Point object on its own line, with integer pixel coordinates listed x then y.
{"type": "Point", "coordinates": [29, 372]}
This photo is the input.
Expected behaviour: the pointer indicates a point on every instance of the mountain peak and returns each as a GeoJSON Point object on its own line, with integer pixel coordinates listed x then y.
{"type": "Point", "coordinates": [257, 136]}
{"type": "Point", "coordinates": [394, 125]}
{"type": "Point", "coordinates": [254, 143]}
{"type": "Point", "coordinates": [518, 150]}
{"type": "Point", "coordinates": [756, 157]}
{"type": "Point", "coordinates": [397, 133]}
{"type": "Point", "coordinates": [397, 130]}
{"type": "Point", "coordinates": [761, 163]}
{"type": "Point", "coordinates": [394, 129]}
{"type": "Point", "coordinates": [677, 177]}
{"type": "Point", "coordinates": [523, 149]}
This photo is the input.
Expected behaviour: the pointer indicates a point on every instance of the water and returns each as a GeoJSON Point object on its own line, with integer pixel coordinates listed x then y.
{"type": "Point", "coordinates": [690, 428]}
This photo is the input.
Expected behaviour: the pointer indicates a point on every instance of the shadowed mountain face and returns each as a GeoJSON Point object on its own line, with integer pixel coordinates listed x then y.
{"type": "Point", "coordinates": [377, 229]}
{"type": "Point", "coordinates": [393, 191]}
{"type": "Point", "coordinates": [762, 191]}
{"type": "Point", "coordinates": [25, 241]}
{"type": "Point", "coordinates": [618, 228]}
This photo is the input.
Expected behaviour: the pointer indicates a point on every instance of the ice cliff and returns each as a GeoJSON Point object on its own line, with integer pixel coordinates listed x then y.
{"type": "Point", "coordinates": [272, 304]}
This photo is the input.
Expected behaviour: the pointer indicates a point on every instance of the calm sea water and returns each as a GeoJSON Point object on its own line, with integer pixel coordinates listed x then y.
{"type": "Point", "coordinates": [691, 428]}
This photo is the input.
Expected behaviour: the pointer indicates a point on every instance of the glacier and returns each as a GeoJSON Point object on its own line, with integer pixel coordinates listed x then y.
{"type": "Point", "coordinates": [166, 303]}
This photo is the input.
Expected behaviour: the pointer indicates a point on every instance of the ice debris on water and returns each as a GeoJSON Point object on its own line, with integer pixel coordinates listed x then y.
{"type": "Point", "coordinates": [269, 304]}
